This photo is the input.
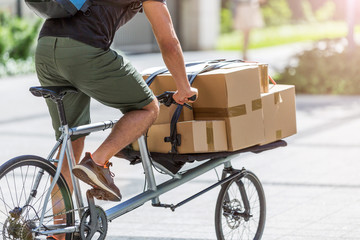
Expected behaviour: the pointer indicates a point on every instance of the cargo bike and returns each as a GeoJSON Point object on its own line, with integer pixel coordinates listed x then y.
{"type": "Point", "coordinates": [36, 202]}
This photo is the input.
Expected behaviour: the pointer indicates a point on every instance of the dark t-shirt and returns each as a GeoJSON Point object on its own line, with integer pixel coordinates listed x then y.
{"type": "Point", "coordinates": [98, 25]}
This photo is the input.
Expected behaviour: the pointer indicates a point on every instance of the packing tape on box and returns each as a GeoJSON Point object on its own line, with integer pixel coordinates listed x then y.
{"type": "Point", "coordinates": [220, 112]}
{"type": "Point", "coordinates": [256, 104]}
{"type": "Point", "coordinates": [277, 98]}
{"type": "Point", "coordinates": [278, 134]}
{"type": "Point", "coordinates": [264, 77]}
{"type": "Point", "coordinates": [210, 136]}
{"type": "Point", "coordinates": [227, 112]}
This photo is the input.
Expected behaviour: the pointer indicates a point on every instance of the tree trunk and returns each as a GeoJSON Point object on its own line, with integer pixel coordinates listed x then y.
{"type": "Point", "coordinates": [350, 17]}
{"type": "Point", "coordinates": [296, 9]}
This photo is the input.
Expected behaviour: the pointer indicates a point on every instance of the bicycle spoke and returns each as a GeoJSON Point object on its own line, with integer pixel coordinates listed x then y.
{"type": "Point", "coordinates": [3, 200]}
{"type": "Point", "coordinates": [35, 175]}
{"type": "Point", "coordinates": [39, 198]}
{"type": "Point", "coordinates": [42, 196]}
{"type": "Point", "coordinates": [17, 200]}
{"type": "Point", "coordinates": [236, 222]}
{"type": "Point", "coordinates": [44, 193]}
{"type": "Point", "coordinates": [9, 190]}
{"type": "Point", "coordinates": [23, 182]}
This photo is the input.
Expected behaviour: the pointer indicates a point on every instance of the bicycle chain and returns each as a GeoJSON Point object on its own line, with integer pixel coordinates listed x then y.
{"type": "Point", "coordinates": [62, 213]}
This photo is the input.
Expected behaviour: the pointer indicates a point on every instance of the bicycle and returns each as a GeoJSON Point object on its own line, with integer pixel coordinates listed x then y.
{"type": "Point", "coordinates": [31, 187]}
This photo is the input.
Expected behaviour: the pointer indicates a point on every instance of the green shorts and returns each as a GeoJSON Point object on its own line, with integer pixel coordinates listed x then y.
{"type": "Point", "coordinates": [96, 73]}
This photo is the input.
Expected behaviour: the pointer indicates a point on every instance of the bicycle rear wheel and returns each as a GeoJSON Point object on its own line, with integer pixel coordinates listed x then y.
{"type": "Point", "coordinates": [24, 183]}
{"type": "Point", "coordinates": [240, 209]}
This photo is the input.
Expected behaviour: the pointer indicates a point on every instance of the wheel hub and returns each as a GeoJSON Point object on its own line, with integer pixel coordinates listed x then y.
{"type": "Point", "coordinates": [16, 227]}
{"type": "Point", "coordinates": [231, 209]}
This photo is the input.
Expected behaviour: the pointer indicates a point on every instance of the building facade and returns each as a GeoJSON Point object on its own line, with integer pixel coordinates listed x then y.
{"type": "Point", "coordinates": [197, 23]}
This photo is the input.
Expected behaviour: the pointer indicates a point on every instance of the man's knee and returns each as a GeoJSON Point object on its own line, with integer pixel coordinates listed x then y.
{"type": "Point", "coordinates": [153, 109]}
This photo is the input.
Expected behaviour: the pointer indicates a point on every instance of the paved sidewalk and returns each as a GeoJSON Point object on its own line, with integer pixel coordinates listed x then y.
{"type": "Point", "coordinates": [312, 186]}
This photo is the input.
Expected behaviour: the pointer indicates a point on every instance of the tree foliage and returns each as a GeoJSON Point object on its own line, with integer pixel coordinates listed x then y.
{"type": "Point", "coordinates": [16, 42]}
{"type": "Point", "coordinates": [17, 36]}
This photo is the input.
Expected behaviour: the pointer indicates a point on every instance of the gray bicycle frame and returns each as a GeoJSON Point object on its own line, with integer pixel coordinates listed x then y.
{"type": "Point", "coordinates": [153, 190]}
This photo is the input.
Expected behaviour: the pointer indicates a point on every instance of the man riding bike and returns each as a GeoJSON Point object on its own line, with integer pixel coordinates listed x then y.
{"type": "Point", "coordinates": [76, 51]}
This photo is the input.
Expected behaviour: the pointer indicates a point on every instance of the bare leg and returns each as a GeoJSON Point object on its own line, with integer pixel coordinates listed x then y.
{"type": "Point", "coordinates": [58, 206]}
{"type": "Point", "coordinates": [129, 128]}
{"type": "Point", "coordinates": [78, 147]}
{"type": "Point", "coordinates": [246, 43]}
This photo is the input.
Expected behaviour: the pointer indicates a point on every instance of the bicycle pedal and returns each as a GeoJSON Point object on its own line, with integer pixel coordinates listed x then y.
{"type": "Point", "coordinates": [99, 194]}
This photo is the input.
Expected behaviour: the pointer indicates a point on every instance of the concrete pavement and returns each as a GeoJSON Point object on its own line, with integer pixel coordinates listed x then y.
{"type": "Point", "coordinates": [312, 186]}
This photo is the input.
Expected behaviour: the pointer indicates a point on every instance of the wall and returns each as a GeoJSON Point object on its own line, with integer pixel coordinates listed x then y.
{"type": "Point", "coordinates": [137, 36]}
{"type": "Point", "coordinates": [11, 6]}
{"type": "Point", "coordinates": [200, 24]}
{"type": "Point", "coordinates": [197, 23]}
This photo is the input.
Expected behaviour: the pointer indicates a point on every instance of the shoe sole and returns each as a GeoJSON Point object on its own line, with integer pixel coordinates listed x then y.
{"type": "Point", "coordinates": [101, 194]}
{"type": "Point", "coordinates": [89, 177]}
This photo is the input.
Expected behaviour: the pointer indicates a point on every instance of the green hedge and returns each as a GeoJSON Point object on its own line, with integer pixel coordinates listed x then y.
{"type": "Point", "coordinates": [17, 43]}
{"type": "Point", "coordinates": [329, 68]}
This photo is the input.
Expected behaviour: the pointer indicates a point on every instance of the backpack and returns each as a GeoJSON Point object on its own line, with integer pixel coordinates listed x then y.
{"type": "Point", "coordinates": [57, 8]}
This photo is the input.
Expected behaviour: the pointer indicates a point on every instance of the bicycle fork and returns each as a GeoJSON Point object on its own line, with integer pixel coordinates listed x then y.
{"type": "Point", "coordinates": [228, 169]}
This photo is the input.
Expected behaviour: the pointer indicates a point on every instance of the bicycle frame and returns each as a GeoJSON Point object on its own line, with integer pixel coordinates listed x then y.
{"type": "Point", "coordinates": [153, 190]}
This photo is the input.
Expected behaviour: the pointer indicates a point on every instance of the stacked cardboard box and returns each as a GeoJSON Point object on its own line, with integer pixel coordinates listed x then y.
{"type": "Point", "coordinates": [166, 114]}
{"type": "Point", "coordinates": [196, 137]}
{"type": "Point", "coordinates": [236, 108]}
{"type": "Point", "coordinates": [279, 112]}
{"type": "Point", "coordinates": [232, 94]}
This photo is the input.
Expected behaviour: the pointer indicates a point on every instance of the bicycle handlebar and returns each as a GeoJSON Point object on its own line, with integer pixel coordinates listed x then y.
{"type": "Point", "coordinates": [167, 99]}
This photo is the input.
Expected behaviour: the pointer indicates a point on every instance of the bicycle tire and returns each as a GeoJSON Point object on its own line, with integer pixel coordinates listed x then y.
{"type": "Point", "coordinates": [17, 178]}
{"type": "Point", "coordinates": [232, 221]}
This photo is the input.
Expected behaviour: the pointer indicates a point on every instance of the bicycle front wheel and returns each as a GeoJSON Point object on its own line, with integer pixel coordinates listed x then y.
{"type": "Point", "coordinates": [240, 209]}
{"type": "Point", "coordinates": [24, 183]}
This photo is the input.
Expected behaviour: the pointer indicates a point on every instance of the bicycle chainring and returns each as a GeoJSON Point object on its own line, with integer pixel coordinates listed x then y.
{"type": "Point", "coordinates": [99, 231]}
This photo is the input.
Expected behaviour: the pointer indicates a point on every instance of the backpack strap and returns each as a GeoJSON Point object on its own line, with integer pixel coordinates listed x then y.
{"type": "Point", "coordinates": [86, 6]}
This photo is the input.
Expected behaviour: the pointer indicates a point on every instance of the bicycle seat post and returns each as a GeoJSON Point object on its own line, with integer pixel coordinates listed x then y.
{"type": "Point", "coordinates": [61, 111]}
{"type": "Point", "coordinates": [56, 94]}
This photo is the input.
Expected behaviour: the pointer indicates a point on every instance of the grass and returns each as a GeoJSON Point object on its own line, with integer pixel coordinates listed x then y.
{"type": "Point", "coordinates": [272, 36]}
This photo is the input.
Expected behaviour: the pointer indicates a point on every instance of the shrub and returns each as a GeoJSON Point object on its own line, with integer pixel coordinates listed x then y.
{"type": "Point", "coordinates": [226, 21]}
{"type": "Point", "coordinates": [16, 43]}
{"type": "Point", "coordinates": [329, 68]}
{"type": "Point", "coordinates": [23, 36]}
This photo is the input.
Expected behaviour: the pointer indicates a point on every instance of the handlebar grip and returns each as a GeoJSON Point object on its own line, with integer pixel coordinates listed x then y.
{"type": "Point", "coordinates": [193, 98]}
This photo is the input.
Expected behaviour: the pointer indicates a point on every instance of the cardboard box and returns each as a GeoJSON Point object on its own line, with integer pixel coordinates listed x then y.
{"type": "Point", "coordinates": [242, 131]}
{"type": "Point", "coordinates": [232, 95]}
{"type": "Point", "coordinates": [279, 112]}
{"type": "Point", "coordinates": [196, 137]}
{"type": "Point", "coordinates": [165, 82]}
{"type": "Point", "coordinates": [166, 114]}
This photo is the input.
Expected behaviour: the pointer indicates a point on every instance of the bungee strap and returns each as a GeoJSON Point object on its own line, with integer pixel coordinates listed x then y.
{"type": "Point", "coordinates": [175, 138]}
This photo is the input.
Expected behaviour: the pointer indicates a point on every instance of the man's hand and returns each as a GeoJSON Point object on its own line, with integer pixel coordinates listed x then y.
{"type": "Point", "coordinates": [182, 97]}
{"type": "Point", "coordinates": [169, 44]}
